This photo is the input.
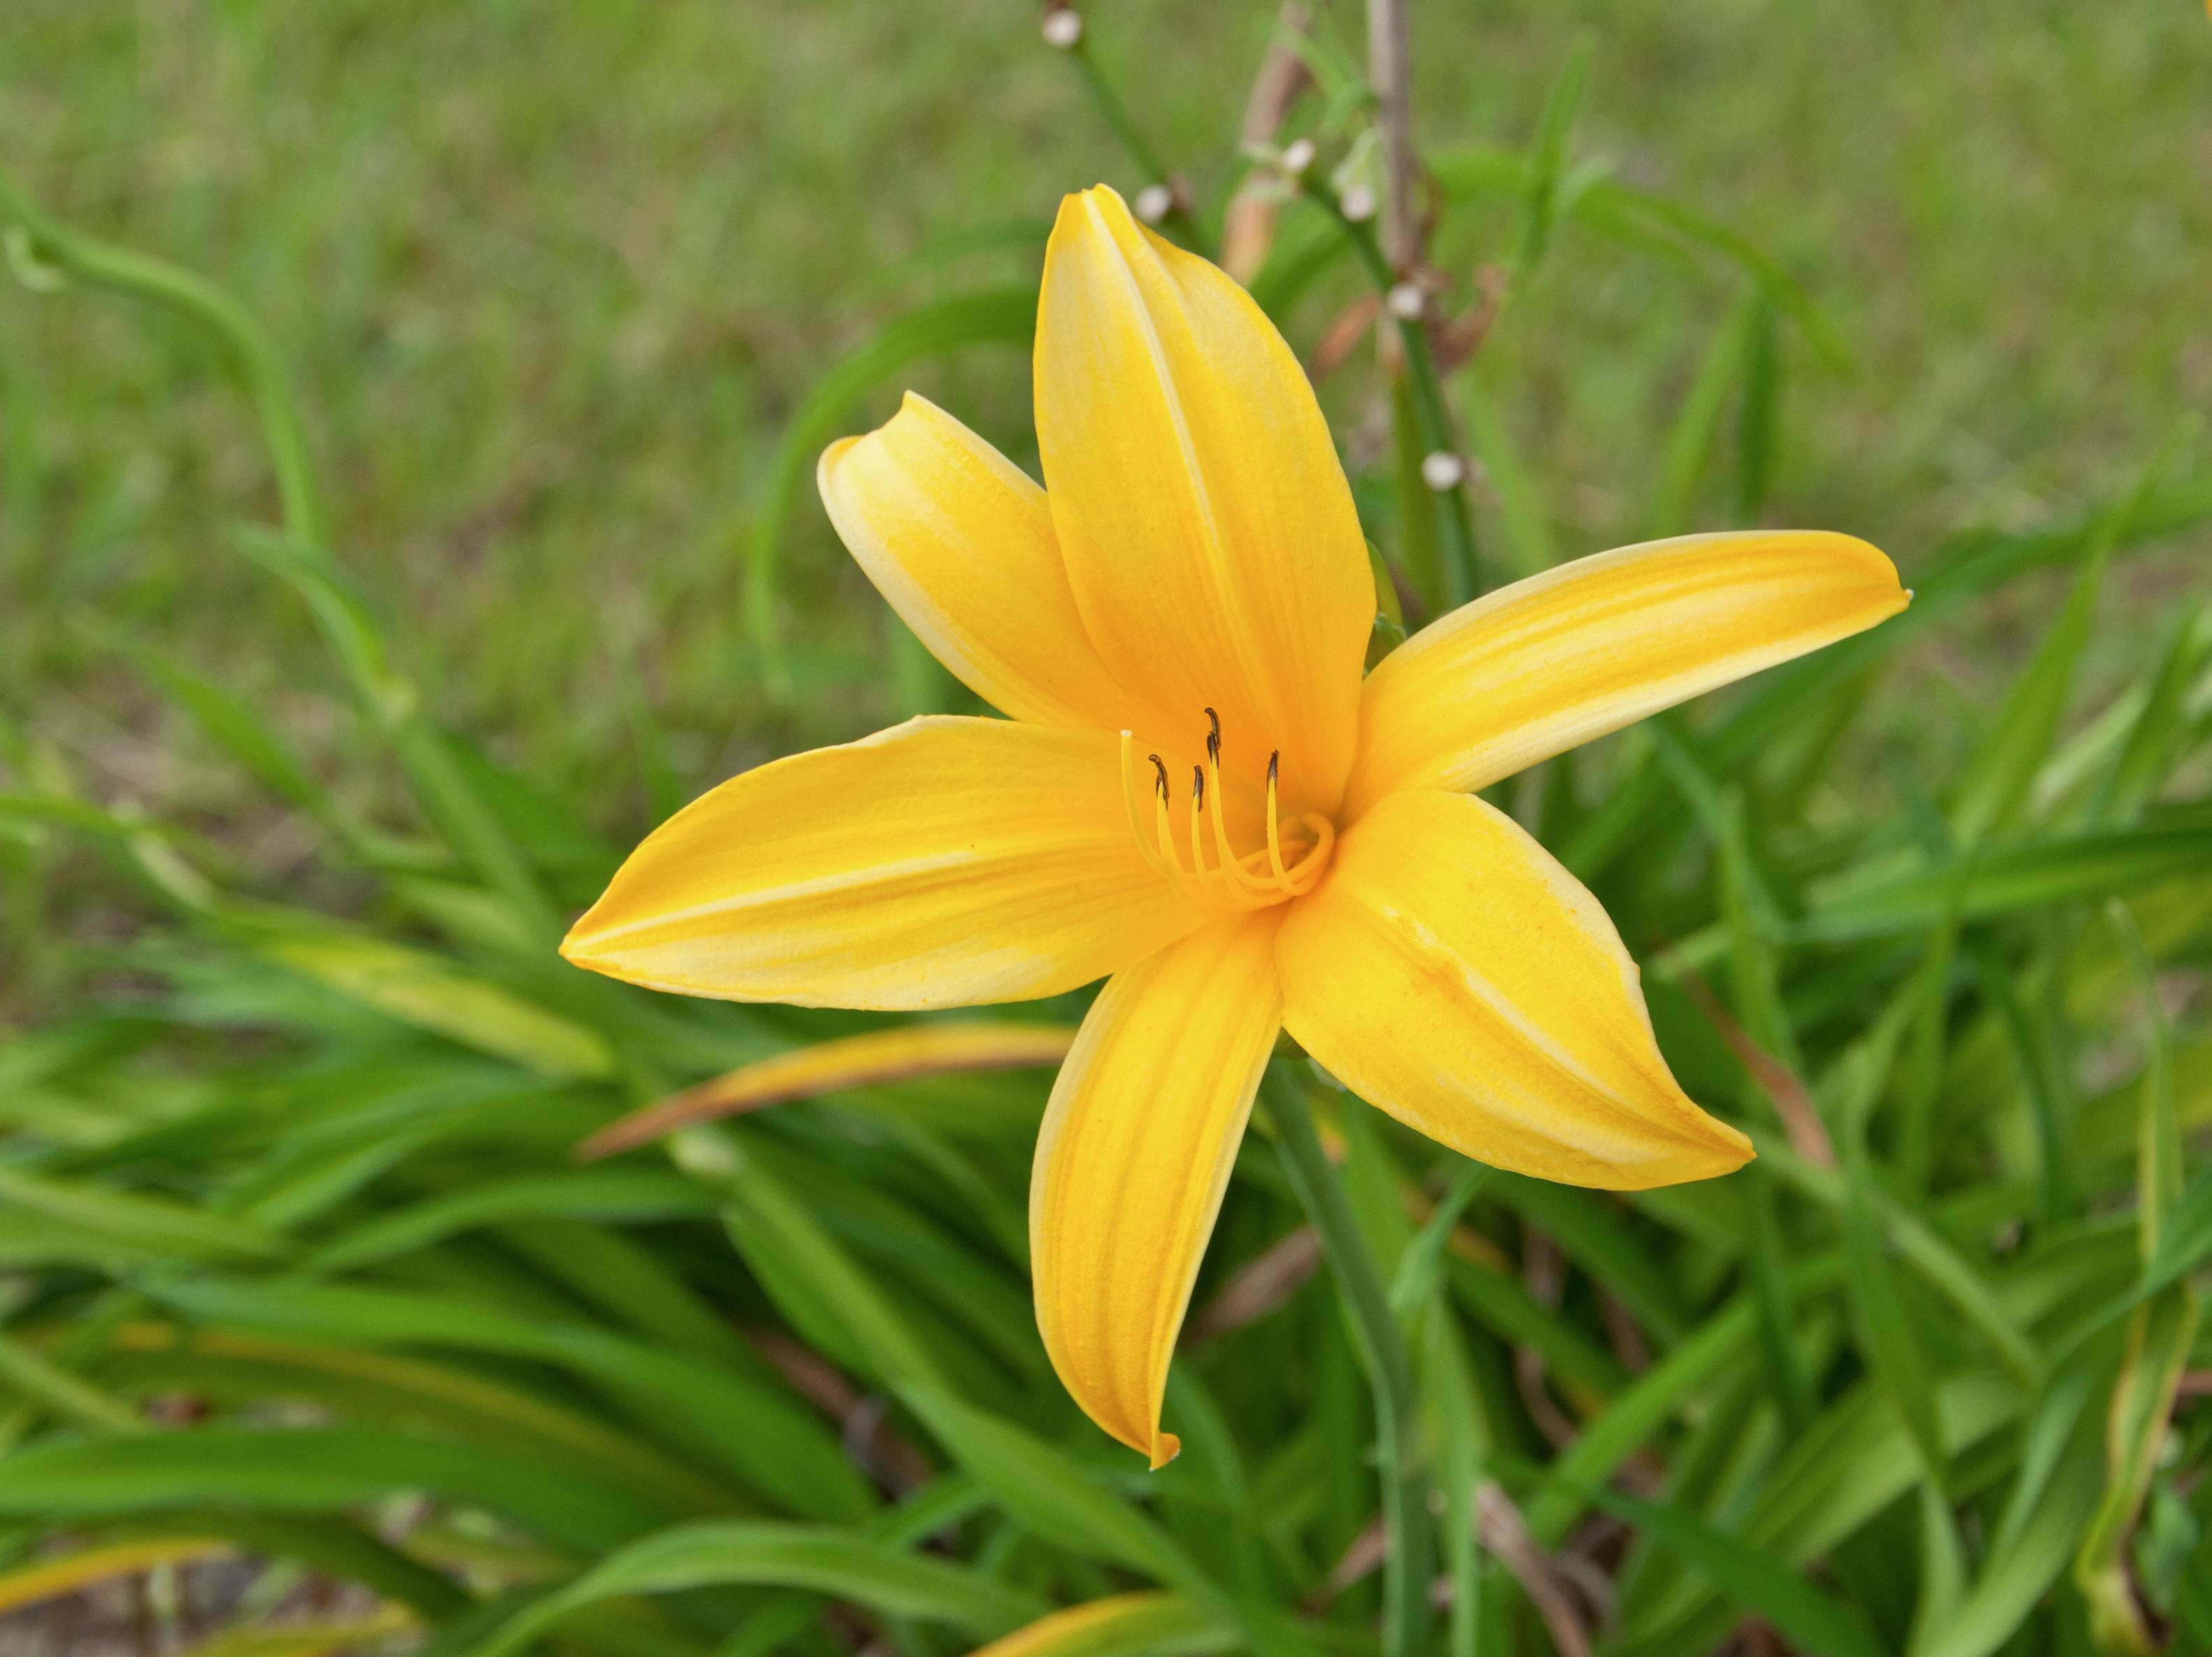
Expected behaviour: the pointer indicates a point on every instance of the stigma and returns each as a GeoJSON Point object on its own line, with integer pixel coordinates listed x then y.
{"type": "Point", "coordinates": [1199, 855]}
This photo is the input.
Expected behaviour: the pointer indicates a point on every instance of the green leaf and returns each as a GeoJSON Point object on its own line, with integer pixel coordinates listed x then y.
{"type": "Point", "coordinates": [307, 1470]}
{"type": "Point", "coordinates": [1875, 902]}
{"type": "Point", "coordinates": [752, 1427]}
{"type": "Point", "coordinates": [418, 988]}
{"type": "Point", "coordinates": [610, 1193]}
{"type": "Point", "coordinates": [1999, 780]}
{"type": "Point", "coordinates": [1759, 421]}
{"type": "Point", "coordinates": [1696, 431]}
{"type": "Point", "coordinates": [135, 1223]}
{"type": "Point", "coordinates": [1548, 154]}
{"type": "Point", "coordinates": [1529, 537]}
{"type": "Point", "coordinates": [816, 1284]}
{"type": "Point", "coordinates": [844, 1564]}
{"type": "Point", "coordinates": [1047, 1490]}
{"type": "Point", "coordinates": [2043, 1520]}
{"type": "Point", "coordinates": [1755, 1581]}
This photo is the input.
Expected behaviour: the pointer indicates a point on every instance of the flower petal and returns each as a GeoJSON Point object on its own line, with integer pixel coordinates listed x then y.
{"type": "Point", "coordinates": [1208, 530]}
{"type": "Point", "coordinates": [1450, 970]}
{"type": "Point", "coordinates": [1133, 1156]}
{"type": "Point", "coordinates": [960, 543]}
{"type": "Point", "coordinates": [941, 862]}
{"type": "Point", "coordinates": [1532, 670]}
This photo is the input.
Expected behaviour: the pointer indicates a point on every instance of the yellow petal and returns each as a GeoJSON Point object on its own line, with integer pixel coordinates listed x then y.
{"type": "Point", "coordinates": [833, 1066]}
{"type": "Point", "coordinates": [1132, 1161]}
{"type": "Point", "coordinates": [941, 862]}
{"type": "Point", "coordinates": [960, 543]}
{"type": "Point", "coordinates": [1531, 669]}
{"type": "Point", "coordinates": [1122, 1622]}
{"type": "Point", "coordinates": [1208, 530]}
{"type": "Point", "coordinates": [1450, 970]}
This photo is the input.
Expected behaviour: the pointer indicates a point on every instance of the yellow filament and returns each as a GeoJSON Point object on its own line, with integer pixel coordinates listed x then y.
{"type": "Point", "coordinates": [1274, 838]}
{"type": "Point", "coordinates": [1198, 811]}
{"type": "Point", "coordinates": [1253, 880]}
{"type": "Point", "coordinates": [1129, 800]}
{"type": "Point", "coordinates": [1231, 864]}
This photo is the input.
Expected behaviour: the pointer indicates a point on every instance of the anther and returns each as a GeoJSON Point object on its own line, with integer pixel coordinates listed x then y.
{"type": "Point", "coordinates": [1160, 767]}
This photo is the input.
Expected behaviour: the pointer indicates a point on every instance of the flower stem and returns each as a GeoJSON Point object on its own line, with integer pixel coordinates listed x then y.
{"type": "Point", "coordinates": [1133, 140]}
{"type": "Point", "coordinates": [35, 240]}
{"type": "Point", "coordinates": [1431, 412]}
{"type": "Point", "coordinates": [1382, 1347]}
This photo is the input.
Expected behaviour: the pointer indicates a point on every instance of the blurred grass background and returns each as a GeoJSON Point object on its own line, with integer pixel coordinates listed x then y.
{"type": "Point", "coordinates": [551, 277]}
{"type": "Point", "coordinates": [290, 1086]}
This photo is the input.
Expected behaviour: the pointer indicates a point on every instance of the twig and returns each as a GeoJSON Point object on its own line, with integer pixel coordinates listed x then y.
{"type": "Point", "coordinates": [1247, 229]}
{"type": "Point", "coordinates": [1257, 1287]}
{"type": "Point", "coordinates": [1389, 68]}
{"type": "Point", "coordinates": [1506, 1534]}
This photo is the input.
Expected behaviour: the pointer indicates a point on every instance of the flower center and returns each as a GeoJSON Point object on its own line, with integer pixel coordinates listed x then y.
{"type": "Point", "coordinates": [1289, 864]}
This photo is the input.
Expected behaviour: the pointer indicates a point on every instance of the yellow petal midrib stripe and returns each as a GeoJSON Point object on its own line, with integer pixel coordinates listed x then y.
{"type": "Point", "coordinates": [1405, 933]}
{"type": "Point", "coordinates": [856, 882]}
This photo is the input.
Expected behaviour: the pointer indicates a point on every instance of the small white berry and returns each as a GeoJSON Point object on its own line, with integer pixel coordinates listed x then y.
{"type": "Point", "coordinates": [1442, 471]}
{"type": "Point", "coordinates": [1356, 204]}
{"type": "Point", "coordinates": [1406, 301]}
{"type": "Point", "coordinates": [1063, 27]}
{"type": "Point", "coordinates": [1298, 156]}
{"type": "Point", "coordinates": [1153, 201]}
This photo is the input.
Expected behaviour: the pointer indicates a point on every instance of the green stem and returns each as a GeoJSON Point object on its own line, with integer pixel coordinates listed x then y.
{"type": "Point", "coordinates": [1390, 1366]}
{"type": "Point", "coordinates": [45, 240]}
{"type": "Point", "coordinates": [1133, 140]}
{"type": "Point", "coordinates": [41, 245]}
{"type": "Point", "coordinates": [1431, 411]}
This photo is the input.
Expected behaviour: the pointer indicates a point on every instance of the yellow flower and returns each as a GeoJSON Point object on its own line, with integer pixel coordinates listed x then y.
{"type": "Point", "coordinates": [1197, 797]}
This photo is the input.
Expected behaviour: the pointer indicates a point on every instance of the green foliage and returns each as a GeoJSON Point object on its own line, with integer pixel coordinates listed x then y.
{"type": "Point", "coordinates": [297, 1258]}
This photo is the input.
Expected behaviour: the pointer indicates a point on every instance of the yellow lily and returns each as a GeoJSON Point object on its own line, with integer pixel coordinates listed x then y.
{"type": "Point", "coordinates": [1197, 797]}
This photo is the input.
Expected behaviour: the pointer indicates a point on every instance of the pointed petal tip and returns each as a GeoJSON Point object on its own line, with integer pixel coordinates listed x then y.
{"type": "Point", "coordinates": [1710, 1149]}
{"type": "Point", "coordinates": [1166, 1447]}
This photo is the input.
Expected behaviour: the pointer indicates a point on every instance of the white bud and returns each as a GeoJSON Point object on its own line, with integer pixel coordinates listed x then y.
{"type": "Point", "coordinates": [1356, 204]}
{"type": "Point", "coordinates": [1442, 471]}
{"type": "Point", "coordinates": [1406, 301]}
{"type": "Point", "coordinates": [1063, 27]}
{"type": "Point", "coordinates": [1153, 201]}
{"type": "Point", "coordinates": [1298, 156]}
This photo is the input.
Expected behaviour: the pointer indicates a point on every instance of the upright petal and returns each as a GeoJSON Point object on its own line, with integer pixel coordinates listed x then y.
{"type": "Point", "coordinates": [1208, 530]}
{"type": "Point", "coordinates": [960, 543]}
{"type": "Point", "coordinates": [1532, 670]}
{"type": "Point", "coordinates": [1135, 1154]}
{"type": "Point", "coordinates": [941, 862]}
{"type": "Point", "coordinates": [1450, 970]}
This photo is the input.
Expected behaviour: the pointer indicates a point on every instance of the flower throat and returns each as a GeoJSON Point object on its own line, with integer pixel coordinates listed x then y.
{"type": "Point", "coordinates": [1288, 866]}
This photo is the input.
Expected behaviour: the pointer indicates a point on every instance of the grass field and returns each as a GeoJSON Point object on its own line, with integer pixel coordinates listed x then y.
{"type": "Point", "coordinates": [314, 1334]}
{"type": "Point", "coordinates": [551, 277]}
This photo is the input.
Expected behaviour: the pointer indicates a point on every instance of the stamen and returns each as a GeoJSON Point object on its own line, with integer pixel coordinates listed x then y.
{"type": "Point", "coordinates": [1290, 865]}
{"type": "Point", "coordinates": [1161, 830]}
{"type": "Point", "coordinates": [1231, 864]}
{"type": "Point", "coordinates": [1274, 839]}
{"type": "Point", "coordinates": [1129, 800]}
{"type": "Point", "coordinates": [1198, 811]}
